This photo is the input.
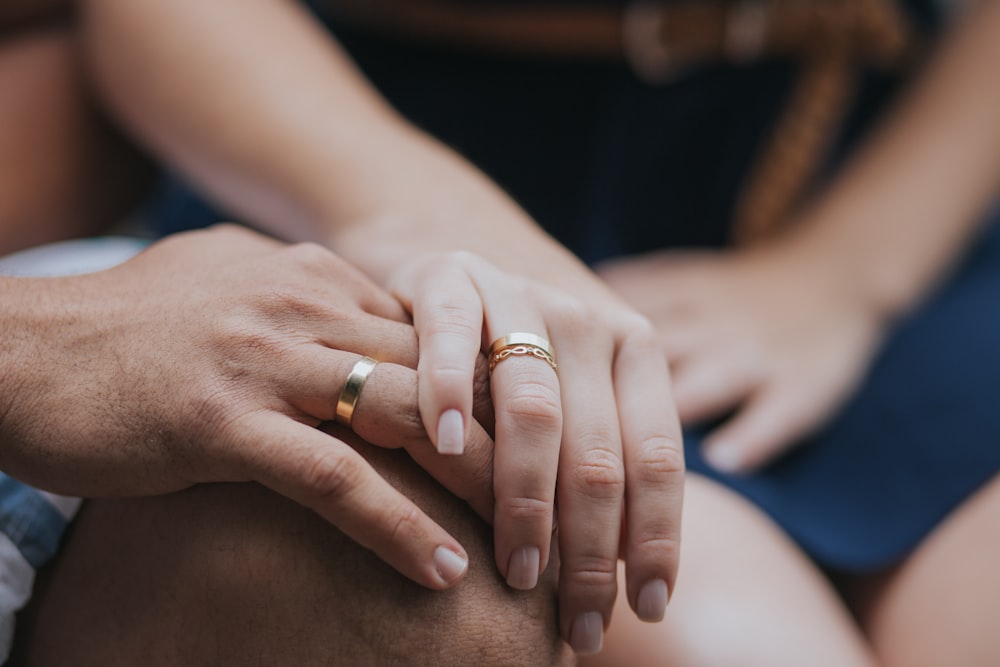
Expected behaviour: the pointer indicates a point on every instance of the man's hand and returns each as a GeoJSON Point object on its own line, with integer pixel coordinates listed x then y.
{"type": "Point", "coordinates": [213, 356]}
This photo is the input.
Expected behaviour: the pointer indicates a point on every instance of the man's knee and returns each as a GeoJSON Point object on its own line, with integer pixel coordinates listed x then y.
{"type": "Point", "coordinates": [231, 574]}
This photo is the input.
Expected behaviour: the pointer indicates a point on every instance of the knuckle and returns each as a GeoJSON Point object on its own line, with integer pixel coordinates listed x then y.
{"type": "Point", "coordinates": [653, 546]}
{"type": "Point", "coordinates": [525, 509]}
{"type": "Point", "coordinates": [332, 475]}
{"type": "Point", "coordinates": [291, 304]}
{"type": "Point", "coordinates": [259, 343]}
{"type": "Point", "coordinates": [448, 378]}
{"type": "Point", "coordinates": [594, 573]}
{"type": "Point", "coordinates": [660, 460]}
{"type": "Point", "coordinates": [463, 257]}
{"type": "Point", "coordinates": [600, 474]}
{"type": "Point", "coordinates": [637, 330]}
{"type": "Point", "coordinates": [451, 319]}
{"type": "Point", "coordinates": [574, 314]}
{"type": "Point", "coordinates": [311, 254]}
{"type": "Point", "coordinates": [405, 525]}
{"type": "Point", "coordinates": [466, 261]}
{"type": "Point", "coordinates": [535, 407]}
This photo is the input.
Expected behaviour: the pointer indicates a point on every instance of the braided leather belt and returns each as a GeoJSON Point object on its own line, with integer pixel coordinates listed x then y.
{"type": "Point", "coordinates": [829, 39]}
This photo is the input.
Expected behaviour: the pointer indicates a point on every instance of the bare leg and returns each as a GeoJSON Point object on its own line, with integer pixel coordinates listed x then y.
{"type": "Point", "coordinates": [746, 597]}
{"type": "Point", "coordinates": [941, 606]}
{"type": "Point", "coordinates": [235, 575]}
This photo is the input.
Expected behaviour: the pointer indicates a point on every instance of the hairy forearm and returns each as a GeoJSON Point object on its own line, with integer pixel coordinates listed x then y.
{"type": "Point", "coordinates": [259, 105]}
{"type": "Point", "coordinates": [907, 206]}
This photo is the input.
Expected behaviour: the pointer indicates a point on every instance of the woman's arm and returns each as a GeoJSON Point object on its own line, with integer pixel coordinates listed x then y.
{"type": "Point", "coordinates": [260, 106]}
{"type": "Point", "coordinates": [782, 332]}
{"type": "Point", "coordinates": [255, 102]}
{"type": "Point", "coordinates": [907, 205]}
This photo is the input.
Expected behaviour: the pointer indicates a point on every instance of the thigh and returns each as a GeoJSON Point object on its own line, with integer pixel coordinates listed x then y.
{"type": "Point", "coordinates": [232, 574]}
{"type": "Point", "coordinates": [746, 597]}
{"type": "Point", "coordinates": [941, 605]}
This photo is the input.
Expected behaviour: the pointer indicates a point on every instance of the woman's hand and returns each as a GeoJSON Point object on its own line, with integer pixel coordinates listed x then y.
{"type": "Point", "coordinates": [212, 356]}
{"type": "Point", "coordinates": [761, 334]}
{"type": "Point", "coordinates": [598, 436]}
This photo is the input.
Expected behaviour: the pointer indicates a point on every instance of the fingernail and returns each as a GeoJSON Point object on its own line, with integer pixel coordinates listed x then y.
{"type": "Point", "coordinates": [586, 635]}
{"type": "Point", "coordinates": [652, 602]}
{"type": "Point", "coordinates": [724, 456]}
{"type": "Point", "coordinates": [451, 433]}
{"type": "Point", "coordinates": [450, 566]}
{"type": "Point", "coordinates": [522, 568]}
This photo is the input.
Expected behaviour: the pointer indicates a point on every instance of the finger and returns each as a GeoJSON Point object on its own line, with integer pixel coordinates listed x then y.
{"type": "Point", "coordinates": [448, 318]}
{"type": "Point", "coordinates": [312, 377]}
{"type": "Point", "coordinates": [706, 385]}
{"type": "Point", "coordinates": [374, 336]}
{"type": "Point", "coordinates": [654, 473]}
{"type": "Point", "coordinates": [528, 407]}
{"type": "Point", "coordinates": [329, 477]}
{"type": "Point", "coordinates": [769, 423]}
{"type": "Point", "coordinates": [385, 414]}
{"type": "Point", "coordinates": [482, 401]}
{"type": "Point", "coordinates": [590, 489]}
{"type": "Point", "coordinates": [334, 273]}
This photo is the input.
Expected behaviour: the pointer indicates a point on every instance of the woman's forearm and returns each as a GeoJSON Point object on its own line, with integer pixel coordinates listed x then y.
{"type": "Point", "coordinates": [908, 204]}
{"type": "Point", "coordinates": [255, 102]}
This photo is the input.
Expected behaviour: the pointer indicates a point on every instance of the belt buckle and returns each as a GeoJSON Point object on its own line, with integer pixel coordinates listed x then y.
{"type": "Point", "coordinates": [642, 42]}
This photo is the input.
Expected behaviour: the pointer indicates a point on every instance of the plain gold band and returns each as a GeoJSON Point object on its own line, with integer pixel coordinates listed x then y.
{"type": "Point", "coordinates": [521, 344]}
{"type": "Point", "coordinates": [352, 389]}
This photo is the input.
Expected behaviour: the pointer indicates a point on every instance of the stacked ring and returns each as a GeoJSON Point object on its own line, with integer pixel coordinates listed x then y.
{"type": "Point", "coordinates": [352, 389]}
{"type": "Point", "coordinates": [521, 344]}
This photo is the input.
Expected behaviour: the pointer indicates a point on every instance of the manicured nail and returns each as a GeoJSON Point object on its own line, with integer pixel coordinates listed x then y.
{"type": "Point", "coordinates": [450, 566]}
{"type": "Point", "coordinates": [586, 635]}
{"type": "Point", "coordinates": [652, 602]}
{"type": "Point", "coordinates": [451, 433]}
{"type": "Point", "coordinates": [522, 568]}
{"type": "Point", "coordinates": [724, 456]}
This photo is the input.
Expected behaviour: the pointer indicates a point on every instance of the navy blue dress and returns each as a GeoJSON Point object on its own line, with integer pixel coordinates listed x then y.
{"type": "Point", "coordinates": [612, 166]}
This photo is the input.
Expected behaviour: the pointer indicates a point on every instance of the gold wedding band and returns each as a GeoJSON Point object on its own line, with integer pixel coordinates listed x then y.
{"type": "Point", "coordinates": [521, 344]}
{"type": "Point", "coordinates": [352, 389]}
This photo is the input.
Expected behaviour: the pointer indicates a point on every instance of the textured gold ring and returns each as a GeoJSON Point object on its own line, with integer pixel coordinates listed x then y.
{"type": "Point", "coordinates": [352, 389]}
{"type": "Point", "coordinates": [521, 344]}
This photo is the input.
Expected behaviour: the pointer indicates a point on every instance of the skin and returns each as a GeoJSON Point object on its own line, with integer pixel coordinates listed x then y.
{"type": "Point", "coordinates": [929, 612]}
{"type": "Point", "coordinates": [231, 391]}
{"type": "Point", "coordinates": [234, 574]}
{"type": "Point", "coordinates": [65, 172]}
{"type": "Point", "coordinates": [952, 545]}
{"type": "Point", "coordinates": [747, 597]}
{"type": "Point", "coordinates": [785, 353]}
{"type": "Point", "coordinates": [107, 583]}
{"type": "Point", "coordinates": [323, 157]}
